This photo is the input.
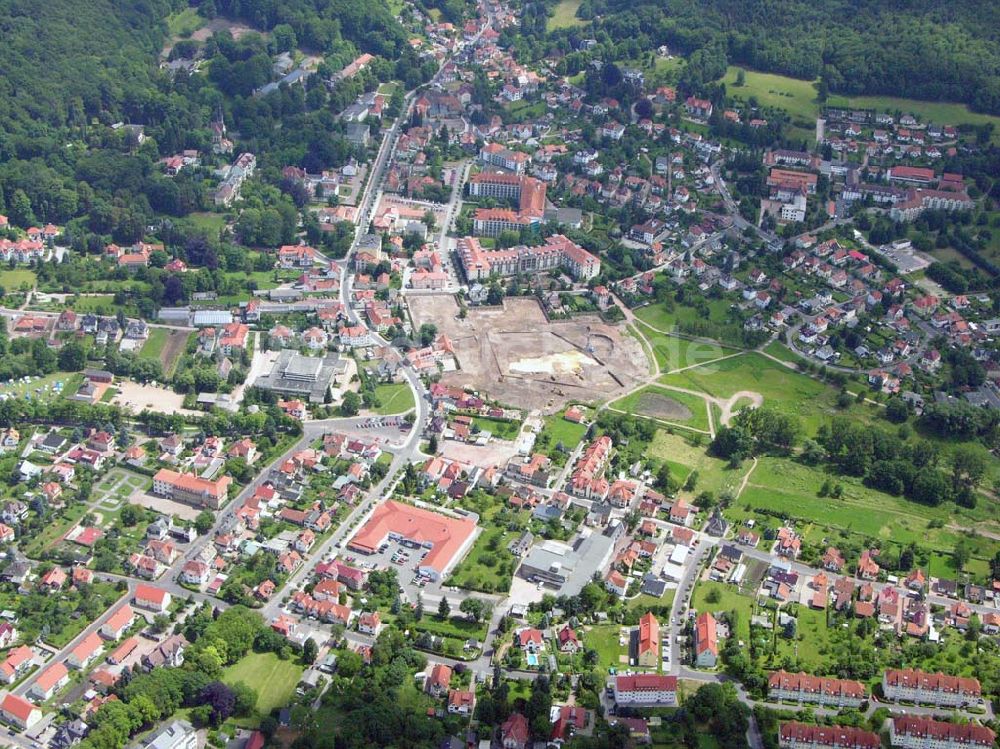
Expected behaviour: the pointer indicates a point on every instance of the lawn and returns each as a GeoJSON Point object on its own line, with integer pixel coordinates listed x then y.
{"type": "Point", "coordinates": [13, 280]}
{"type": "Point", "coordinates": [672, 352]}
{"type": "Point", "coordinates": [666, 405]}
{"type": "Point", "coordinates": [787, 487]}
{"type": "Point", "coordinates": [798, 98]}
{"type": "Point", "coordinates": [184, 23]}
{"type": "Point", "coordinates": [784, 390]}
{"type": "Point", "coordinates": [795, 96]}
{"type": "Point", "coordinates": [682, 456]}
{"type": "Point", "coordinates": [273, 679]}
{"type": "Point", "coordinates": [394, 398]}
{"type": "Point", "coordinates": [780, 351]}
{"type": "Point", "coordinates": [153, 347]}
{"type": "Point", "coordinates": [812, 640]}
{"type": "Point", "coordinates": [210, 223]}
{"type": "Point", "coordinates": [564, 15]}
{"type": "Point", "coordinates": [501, 429]}
{"type": "Point", "coordinates": [725, 598]}
{"type": "Point", "coordinates": [42, 388]}
{"type": "Point", "coordinates": [102, 304]}
{"type": "Point", "coordinates": [54, 530]}
{"type": "Point", "coordinates": [559, 430]}
{"type": "Point", "coordinates": [604, 639]}
{"type": "Point", "coordinates": [489, 566]}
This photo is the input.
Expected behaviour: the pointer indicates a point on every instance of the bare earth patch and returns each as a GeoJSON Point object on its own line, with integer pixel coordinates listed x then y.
{"type": "Point", "coordinates": [518, 357]}
{"type": "Point", "coordinates": [136, 397]}
{"type": "Point", "coordinates": [164, 506]}
{"type": "Point", "coordinates": [662, 407]}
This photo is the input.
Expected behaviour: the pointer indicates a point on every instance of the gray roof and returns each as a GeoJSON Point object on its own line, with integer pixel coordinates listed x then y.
{"type": "Point", "coordinates": [208, 317]}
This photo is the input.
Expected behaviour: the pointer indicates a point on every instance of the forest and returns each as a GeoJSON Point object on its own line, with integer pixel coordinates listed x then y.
{"type": "Point", "coordinates": [922, 50]}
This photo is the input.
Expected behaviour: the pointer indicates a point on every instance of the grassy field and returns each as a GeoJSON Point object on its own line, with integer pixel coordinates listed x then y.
{"type": "Point", "coordinates": [714, 475]}
{"type": "Point", "coordinates": [42, 388]}
{"type": "Point", "coordinates": [393, 398]}
{"type": "Point", "coordinates": [788, 487]}
{"type": "Point", "coordinates": [184, 22]}
{"type": "Point", "coordinates": [604, 639]}
{"type": "Point", "coordinates": [811, 643]}
{"type": "Point", "coordinates": [666, 405]}
{"type": "Point", "coordinates": [726, 598]}
{"type": "Point", "coordinates": [798, 98]}
{"type": "Point", "coordinates": [102, 304]}
{"type": "Point", "coordinates": [210, 223]}
{"type": "Point", "coordinates": [54, 530]}
{"type": "Point", "coordinates": [780, 351]}
{"type": "Point", "coordinates": [153, 347]}
{"type": "Point", "coordinates": [559, 430]}
{"type": "Point", "coordinates": [489, 566]}
{"type": "Point", "coordinates": [564, 15]}
{"type": "Point", "coordinates": [12, 280]}
{"type": "Point", "coordinates": [273, 679]}
{"type": "Point", "coordinates": [672, 352]}
{"type": "Point", "coordinates": [657, 316]}
{"type": "Point", "coordinates": [782, 389]}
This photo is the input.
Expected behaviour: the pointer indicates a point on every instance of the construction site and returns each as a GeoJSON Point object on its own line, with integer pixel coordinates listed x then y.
{"type": "Point", "coordinates": [517, 356]}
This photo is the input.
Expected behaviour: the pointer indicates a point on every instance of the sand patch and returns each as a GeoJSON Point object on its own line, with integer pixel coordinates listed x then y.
{"type": "Point", "coordinates": [569, 362]}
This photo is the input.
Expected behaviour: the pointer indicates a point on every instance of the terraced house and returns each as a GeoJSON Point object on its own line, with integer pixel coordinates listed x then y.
{"type": "Point", "coordinates": [803, 687]}
{"type": "Point", "coordinates": [925, 688]}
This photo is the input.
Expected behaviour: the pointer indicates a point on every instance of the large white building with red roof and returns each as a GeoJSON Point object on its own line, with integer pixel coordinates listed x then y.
{"type": "Point", "coordinates": [557, 252]}
{"type": "Point", "coordinates": [932, 689]}
{"type": "Point", "coordinates": [919, 732]}
{"type": "Point", "coordinates": [446, 539]}
{"type": "Point", "coordinates": [646, 690]}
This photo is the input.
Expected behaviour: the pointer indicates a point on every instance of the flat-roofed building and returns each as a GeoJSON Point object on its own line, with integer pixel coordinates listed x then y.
{"type": "Point", "coordinates": [304, 376]}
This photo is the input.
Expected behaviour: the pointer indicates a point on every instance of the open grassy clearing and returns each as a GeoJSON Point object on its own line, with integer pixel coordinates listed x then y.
{"type": "Point", "coordinates": [153, 347]}
{"type": "Point", "coordinates": [42, 388]}
{"type": "Point", "coordinates": [672, 352]}
{"type": "Point", "coordinates": [666, 321]}
{"type": "Point", "coordinates": [489, 566]}
{"type": "Point", "coordinates": [782, 389]}
{"type": "Point", "coordinates": [184, 22]}
{"type": "Point", "coordinates": [210, 223]}
{"type": "Point", "coordinates": [666, 405]}
{"type": "Point", "coordinates": [102, 304]}
{"type": "Point", "coordinates": [780, 351]}
{"type": "Point", "coordinates": [564, 15]}
{"type": "Point", "coordinates": [393, 398]}
{"type": "Point", "coordinates": [798, 98]}
{"type": "Point", "coordinates": [559, 430]}
{"type": "Point", "coordinates": [724, 598]}
{"type": "Point", "coordinates": [792, 489]}
{"type": "Point", "coordinates": [604, 639]}
{"type": "Point", "coordinates": [13, 280]}
{"type": "Point", "coordinates": [273, 679]}
{"type": "Point", "coordinates": [682, 456]}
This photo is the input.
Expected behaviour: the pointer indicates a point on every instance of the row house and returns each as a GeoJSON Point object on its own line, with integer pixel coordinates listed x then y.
{"type": "Point", "coordinates": [930, 688]}
{"type": "Point", "coordinates": [918, 732]}
{"type": "Point", "coordinates": [802, 687]}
